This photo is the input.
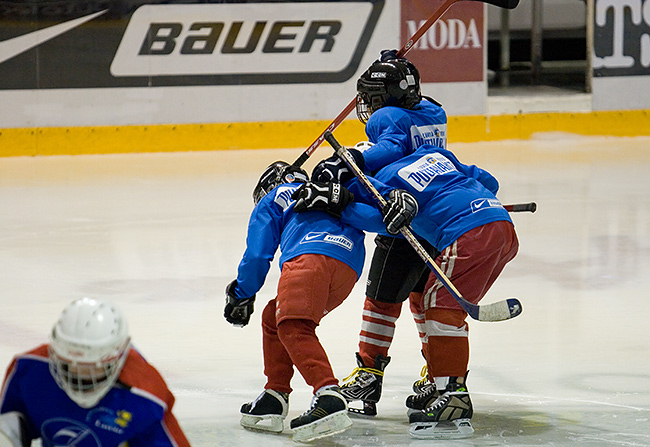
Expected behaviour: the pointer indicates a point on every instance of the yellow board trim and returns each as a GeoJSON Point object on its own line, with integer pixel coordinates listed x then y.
{"type": "Point", "coordinates": [298, 134]}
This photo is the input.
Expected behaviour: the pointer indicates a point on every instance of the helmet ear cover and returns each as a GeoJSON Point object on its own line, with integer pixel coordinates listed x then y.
{"type": "Point", "coordinates": [276, 174]}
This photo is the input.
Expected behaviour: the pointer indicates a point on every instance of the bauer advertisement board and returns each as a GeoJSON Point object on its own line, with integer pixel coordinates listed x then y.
{"type": "Point", "coordinates": [621, 60]}
{"type": "Point", "coordinates": [120, 62]}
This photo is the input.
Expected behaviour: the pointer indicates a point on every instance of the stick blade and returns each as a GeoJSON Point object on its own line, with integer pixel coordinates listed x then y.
{"type": "Point", "coordinates": [507, 4]}
{"type": "Point", "coordinates": [500, 311]}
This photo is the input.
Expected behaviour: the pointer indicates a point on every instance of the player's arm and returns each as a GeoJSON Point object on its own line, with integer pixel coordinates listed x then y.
{"type": "Point", "coordinates": [13, 430]}
{"type": "Point", "coordinates": [264, 230]}
{"type": "Point", "coordinates": [262, 241]}
{"type": "Point", "coordinates": [481, 175]}
{"type": "Point", "coordinates": [399, 211]}
{"type": "Point", "coordinates": [390, 142]}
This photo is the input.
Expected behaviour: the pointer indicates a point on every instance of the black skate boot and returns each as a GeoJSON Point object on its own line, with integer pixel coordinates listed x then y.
{"type": "Point", "coordinates": [422, 399]}
{"type": "Point", "coordinates": [327, 416]}
{"type": "Point", "coordinates": [266, 413]}
{"type": "Point", "coordinates": [365, 385]}
{"type": "Point", "coordinates": [448, 416]}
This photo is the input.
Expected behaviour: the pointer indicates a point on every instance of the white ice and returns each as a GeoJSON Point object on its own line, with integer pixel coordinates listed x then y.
{"type": "Point", "coordinates": [162, 234]}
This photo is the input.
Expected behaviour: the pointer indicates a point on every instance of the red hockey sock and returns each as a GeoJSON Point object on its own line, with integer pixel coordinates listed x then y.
{"type": "Point", "coordinates": [377, 329]}
{"type": "Point", "coordinates": [448, 344]}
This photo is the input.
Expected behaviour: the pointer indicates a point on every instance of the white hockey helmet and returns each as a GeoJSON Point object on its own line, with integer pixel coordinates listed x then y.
{"type": "Point", "coordinates": [88, 347]}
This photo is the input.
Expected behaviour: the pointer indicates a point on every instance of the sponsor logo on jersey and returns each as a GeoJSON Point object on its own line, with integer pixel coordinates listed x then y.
{"type": "Point", "coordinates": [321, 236]}
{"type": "Point", "coordinates": [435, 135]}
{"type": "Point", "coordinates": [63, 431]}
{"type": "Point", "coordinates": [123, 418]}
{"type": "Point", "coordinates": [420, 173]}
{"type": "Point", "coordinates": [258, 42]}
{"type": "Point", "coordinates": [481, 204]}
{"type": "Point", "coordinates": [283, 196]}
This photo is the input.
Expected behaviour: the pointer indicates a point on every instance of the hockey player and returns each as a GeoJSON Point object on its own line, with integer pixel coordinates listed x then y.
{"type": "Point", "coordinates": [398, 119]}
{"type": "Point", "coordinates": [456, 210]}
{"type": "Point", "coordinates": [87, 387]}
{"type": "Point", "coordinates": [321, 260]}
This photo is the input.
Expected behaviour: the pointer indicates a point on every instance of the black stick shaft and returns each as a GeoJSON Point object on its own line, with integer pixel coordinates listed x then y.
{"type": "Point", "coordinates": [521, 207]}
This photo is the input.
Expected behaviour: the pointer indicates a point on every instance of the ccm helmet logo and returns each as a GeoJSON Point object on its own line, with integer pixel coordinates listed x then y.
{"type": "Point", "coordinates": [248, 42]}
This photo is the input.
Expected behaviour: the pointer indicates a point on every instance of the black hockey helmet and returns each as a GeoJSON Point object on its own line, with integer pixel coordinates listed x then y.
{"type": "Point", "coordinates": [395, 82]}
{"type": "Point", "coordinates": [276, 174]}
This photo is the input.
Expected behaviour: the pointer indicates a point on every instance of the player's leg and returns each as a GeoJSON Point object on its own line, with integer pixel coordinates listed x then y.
{"type": "Point", "coordinates": [416, 306]}
{"type": "Point", "coordinates": [395, 270]}
{"type": "Point", "coordinates": [268, 411]}
{"type": "Point", "coordinates": [472, 263]}
{"type": "Point", "coordinates": [310, 287]}
{"type": "Point", "coordinates": [13, 430]}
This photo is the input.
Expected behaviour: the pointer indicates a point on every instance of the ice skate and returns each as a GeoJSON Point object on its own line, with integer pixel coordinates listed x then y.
{"type": "Point", "coordinates": [365, 385]}
{"type": "Point", "coordinates": [448, 417]}
{"type": "Point", "coordinates": [423, 399]}
{"type": "Point", "coordinates": [327, 416]}
{"type": "Point", "coordinates": [266, 413]}
{"type": "Point", "coordinates": [423, 383]}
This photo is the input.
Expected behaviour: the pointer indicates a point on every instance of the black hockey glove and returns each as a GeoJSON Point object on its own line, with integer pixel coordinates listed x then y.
{"type": "Point", "coordinates": [334, 169]}
{"type": "Point", "coordinates": [329, 197]}
{"type": "Point", "coordinates": [399, 211]}
{"type": "Point", "coordinates": [238, 310]}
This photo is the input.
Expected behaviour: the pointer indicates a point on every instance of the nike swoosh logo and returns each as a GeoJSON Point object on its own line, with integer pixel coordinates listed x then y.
{"type": "Point", "coordinates": [311, 236]}
{"type": "Point", "coordinates": [479, 204]}
{"type": "Point", "coordinates": [13, 47]}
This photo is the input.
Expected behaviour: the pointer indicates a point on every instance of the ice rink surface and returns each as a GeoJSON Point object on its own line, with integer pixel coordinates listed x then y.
{"type": "Point", "coordinates": [162, 234]}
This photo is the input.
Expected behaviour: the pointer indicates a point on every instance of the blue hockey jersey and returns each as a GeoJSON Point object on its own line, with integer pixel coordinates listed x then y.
{"type": "Point", "coordinates": [273, 223]}
{"type": "Point", "coordinates": [137, 410]}
{"type": "Point", "coordinates": [453, 198]}
{"type": "Point", "coordinates": [397, 132]}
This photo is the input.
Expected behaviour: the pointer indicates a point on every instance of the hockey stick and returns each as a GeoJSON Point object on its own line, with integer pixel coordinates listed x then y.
{"type": "Point", "coordinates": [499, 311]}
{"type": "Point", "coordinates": [507, 4]}
{"type": "Point", "coordinates": [521, 207]}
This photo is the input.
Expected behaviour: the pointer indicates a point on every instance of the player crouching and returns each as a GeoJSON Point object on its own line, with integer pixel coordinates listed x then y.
{"type": "Point", "coordinates": [321, 260]}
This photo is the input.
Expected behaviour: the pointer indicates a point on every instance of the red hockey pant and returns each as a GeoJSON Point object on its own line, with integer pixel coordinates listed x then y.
{"type": "Point", "coordinates": [472, 263]}
{"type": "Point", "coordinates": [310, 286]}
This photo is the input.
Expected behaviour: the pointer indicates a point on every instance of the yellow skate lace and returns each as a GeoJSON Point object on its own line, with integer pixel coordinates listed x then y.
{"type": "Point", "coordinates": [423, 374]}
{"type": "Point", "coordinates": [374, 371]}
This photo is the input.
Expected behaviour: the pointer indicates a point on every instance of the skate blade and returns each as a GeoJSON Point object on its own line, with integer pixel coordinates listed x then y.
{"type": "Point", "coordinates": [369, 410]}
{"type": "Point", "coordinates": [328, 426]}
{"type": "Point", "coordinates": [269, 423]}
{"type": "Point", "coordinates": [456, 429]}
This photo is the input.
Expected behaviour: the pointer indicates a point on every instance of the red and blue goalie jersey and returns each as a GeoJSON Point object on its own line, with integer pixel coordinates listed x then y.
{"type": "Point", "coordinates": [136, 412]}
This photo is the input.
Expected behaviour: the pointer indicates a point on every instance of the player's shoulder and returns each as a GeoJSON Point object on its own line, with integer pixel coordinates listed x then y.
{"type": "Point", "coordinates": [33, 361]}
{"type": "Point", "coordinates": [388, 113]}
{"type": "Point", "coordinates": [144, 379]}
{"type": "Point", "coordinates": [431, 107]}
{"type": "Point", "coordinates": [39, 354]}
